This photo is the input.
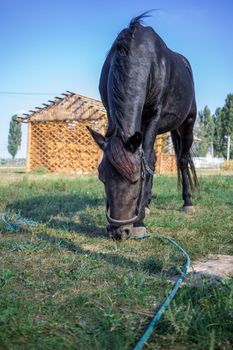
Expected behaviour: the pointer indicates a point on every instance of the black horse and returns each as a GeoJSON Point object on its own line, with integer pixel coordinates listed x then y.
{"type": "Point", "coordinates": [147, 89]}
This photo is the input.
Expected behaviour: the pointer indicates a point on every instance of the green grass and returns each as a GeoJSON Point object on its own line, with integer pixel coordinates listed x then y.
{"type": "Point", "coordinates": [64, 285]}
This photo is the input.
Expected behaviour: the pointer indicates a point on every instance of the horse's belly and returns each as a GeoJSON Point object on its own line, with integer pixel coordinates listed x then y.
{"type": "Point", "coordinates": [174, 112]}
{"type": "Point", "coordinates": [168, 122]}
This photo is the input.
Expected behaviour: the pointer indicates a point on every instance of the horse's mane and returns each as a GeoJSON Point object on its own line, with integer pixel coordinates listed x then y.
{"type": "Point", "coordinates": [125, 162]}
{"type": "Point", "coordinates": [123, 41]}
{"type": "Point", "coordinates": [120, 66]}
{"type": "Point", "coordinates": [139, 19]}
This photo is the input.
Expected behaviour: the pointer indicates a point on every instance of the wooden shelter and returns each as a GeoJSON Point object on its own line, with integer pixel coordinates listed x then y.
{"type": "Point", "coordinates": [59, 140]}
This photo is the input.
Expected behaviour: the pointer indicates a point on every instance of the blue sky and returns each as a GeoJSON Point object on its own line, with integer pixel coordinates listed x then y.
{"type": "Point", "coordinates": [50, 46]}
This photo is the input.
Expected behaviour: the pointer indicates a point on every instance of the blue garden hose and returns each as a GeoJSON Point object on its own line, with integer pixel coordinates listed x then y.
{"type": "Point", "coordinates": [13, 222]}
{"type": "Point", "coordinates": [158, 314]}
{"type": "Point", "coordinates": [20, 222]}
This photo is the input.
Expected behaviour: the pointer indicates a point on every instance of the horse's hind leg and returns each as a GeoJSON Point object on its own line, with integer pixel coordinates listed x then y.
{"type": "Point", "coordinates": [183, 139]}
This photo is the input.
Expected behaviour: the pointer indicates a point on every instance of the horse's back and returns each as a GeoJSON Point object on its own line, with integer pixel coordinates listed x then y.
{"type": "Point", "coordinates": [170, 78]}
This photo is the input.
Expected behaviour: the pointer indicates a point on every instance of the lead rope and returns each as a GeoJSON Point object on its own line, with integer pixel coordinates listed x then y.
{"type": "Point", "coordinates": [158, 314]}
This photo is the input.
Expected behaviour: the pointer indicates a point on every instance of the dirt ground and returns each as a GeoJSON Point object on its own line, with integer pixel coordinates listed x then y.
{"type": "Point", "coordinates": [214, 267]}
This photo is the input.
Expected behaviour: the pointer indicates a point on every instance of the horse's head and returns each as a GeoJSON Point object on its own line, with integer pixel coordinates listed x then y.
{"type": "Point", "coordinates": [121, 172]}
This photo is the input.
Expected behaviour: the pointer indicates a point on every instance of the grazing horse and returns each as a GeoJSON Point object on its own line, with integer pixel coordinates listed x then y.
{"type": "Point", "coordinates": [147, 89]}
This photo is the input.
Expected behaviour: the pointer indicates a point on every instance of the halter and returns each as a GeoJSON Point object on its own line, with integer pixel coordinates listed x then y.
{"type": "Point", "coordinates": [144, 168]}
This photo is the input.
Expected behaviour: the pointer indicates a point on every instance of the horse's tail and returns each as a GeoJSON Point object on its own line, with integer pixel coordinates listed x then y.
{"type": "Point", "coordinates": [192, 175]}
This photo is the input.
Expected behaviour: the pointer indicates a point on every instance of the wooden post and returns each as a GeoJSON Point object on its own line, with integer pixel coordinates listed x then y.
{"type": "Point", "coordinates": [159, 155]}
{"type": "Point", "coordinates": [28, 165]}
{"type": "Point", "coordinates": [173, 162]}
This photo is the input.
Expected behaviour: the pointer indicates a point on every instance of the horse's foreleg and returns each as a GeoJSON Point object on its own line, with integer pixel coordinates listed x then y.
{"type": "Point", "coordinates": [149, 136]}
{"type": "Point", "coordinates": [151, 161]}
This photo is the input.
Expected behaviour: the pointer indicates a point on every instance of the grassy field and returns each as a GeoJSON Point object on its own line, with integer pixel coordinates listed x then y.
{"type": "Point", "coordinates": [64, 285]}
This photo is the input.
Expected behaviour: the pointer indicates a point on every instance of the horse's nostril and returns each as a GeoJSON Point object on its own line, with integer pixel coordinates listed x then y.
{"type": "Point", "coordinates": [119, 233]}
{"type": "Point", "coordinates": [127, 232]}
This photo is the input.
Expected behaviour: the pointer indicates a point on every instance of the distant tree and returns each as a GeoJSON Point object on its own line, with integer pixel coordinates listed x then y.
{"type": "Point", "coordinates": [218, 139]}
{"type": "Point", "coordinates": [227, 124]}
{"type": "Point", "coordinates": [14, 137]}
{"type": "Point", "coordinates": [206, 128]}
{"type": "Point", "coordinates": [224, 127]}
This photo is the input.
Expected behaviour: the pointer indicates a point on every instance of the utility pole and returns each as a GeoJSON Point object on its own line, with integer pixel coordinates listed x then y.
{"type": "Point", "coordinates": [228, 148]}
{"type": "Point", "coordinates": [212, 149]}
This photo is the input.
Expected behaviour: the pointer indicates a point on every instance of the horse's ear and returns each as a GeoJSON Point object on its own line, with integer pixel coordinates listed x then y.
{"type": "Point", "coordinates": [98, 138]}
{"type": "Point", "coordinates": [134, 141]}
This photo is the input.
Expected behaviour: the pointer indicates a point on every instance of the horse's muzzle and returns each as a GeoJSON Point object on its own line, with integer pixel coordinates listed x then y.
{"type": "Point", "coordinates": [120, 232]}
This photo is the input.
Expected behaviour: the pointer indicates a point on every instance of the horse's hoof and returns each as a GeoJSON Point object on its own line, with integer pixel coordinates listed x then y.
{"type": "Point", "coordinates": [147, 211]}
{"type": "Point", "coordinates": [189, 209]}
{"type": "Point", "coordinates": [139, 232]}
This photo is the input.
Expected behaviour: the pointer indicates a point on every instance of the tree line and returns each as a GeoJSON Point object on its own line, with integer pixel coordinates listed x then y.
{"type": "Point", "coordinates": [214, 132]}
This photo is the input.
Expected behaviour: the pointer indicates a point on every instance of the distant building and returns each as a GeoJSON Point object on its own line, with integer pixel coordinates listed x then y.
{"type": "Point", "coordinates": [208, 162]}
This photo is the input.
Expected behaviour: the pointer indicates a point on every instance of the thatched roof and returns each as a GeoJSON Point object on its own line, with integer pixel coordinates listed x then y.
{"type": "Point", "coordinates": [70, 106]}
